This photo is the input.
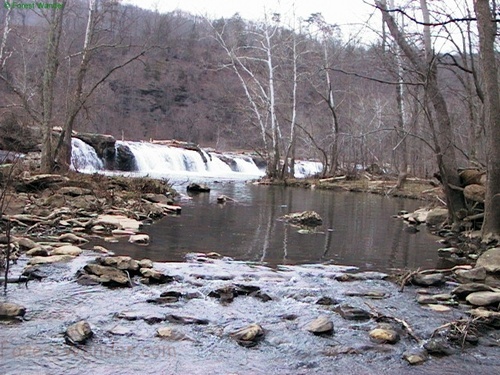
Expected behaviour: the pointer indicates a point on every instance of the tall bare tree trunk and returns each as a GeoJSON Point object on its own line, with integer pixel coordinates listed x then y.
{"type": "Point", "coordinates": [487, 31]}
{"type": "Point", "coordinates": [443, 133]}
{"type": "Point", "coordinates": [47, 162]}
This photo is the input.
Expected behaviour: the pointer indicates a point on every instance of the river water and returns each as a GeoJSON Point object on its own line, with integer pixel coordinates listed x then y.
{"type": "Point", "coordinates": [358, 231]}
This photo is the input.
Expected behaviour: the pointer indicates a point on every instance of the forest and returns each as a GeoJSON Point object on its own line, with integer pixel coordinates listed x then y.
{"type": "Point", "coordinates": [420, 99]}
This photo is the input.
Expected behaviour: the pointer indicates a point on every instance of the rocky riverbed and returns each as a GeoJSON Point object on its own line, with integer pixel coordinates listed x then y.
{"type": "Point", "coordinates": [72, 307]}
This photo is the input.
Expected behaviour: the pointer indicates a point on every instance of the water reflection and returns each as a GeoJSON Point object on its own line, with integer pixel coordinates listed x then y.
{"type": "Point", "coordinates": [358, 229]}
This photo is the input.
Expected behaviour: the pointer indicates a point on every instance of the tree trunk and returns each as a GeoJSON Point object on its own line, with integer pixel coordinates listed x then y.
{"type": "Point", "coordinates": [487, 32]}
{"type": "Point", "coordinates": [47, 162]}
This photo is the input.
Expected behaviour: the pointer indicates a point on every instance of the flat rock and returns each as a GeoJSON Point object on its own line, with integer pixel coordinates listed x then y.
{"type": "Point", "coordinates": [321, 325]}
{"type": "Point", "coordinates": [444, 299]}
{"type": "Point", "coordinates": [121, 262]}
{"type": "Point", "coordinates": [476, 274]}
{"type": "Point", "coordinates": [11, 310]}
{"type": "Point", "coordinates": [67, 250]}
{"type": "Point", "coordinates": [490, 260]}
{"type": "Point", "coordinates": [185, 320]}
{"type": "Point", "coordinates": [119, 330]}
{"type": "Point", "coordinates": [141, 239]}
{"type": "Point", "coordinates": [72, 238]}
{"type": "Point", "coordinates": [428, 279]}
{"type": "Point", "coordinates": [78, 333]}
{"type": "Point", "coordinates": [171, 334]}
{"type": "Point", "coordinates": [353, 313]}
{"type": "Point", "coordinates": [483, 298]}
{"type": "Point", "coordinates": [73, 191]}
{"type": "Point", "coordinates": [464, 290]}
{"type": "Point", "coordinates": [50, 259]}
{"type": "Point", "coordinates": [119, 222]}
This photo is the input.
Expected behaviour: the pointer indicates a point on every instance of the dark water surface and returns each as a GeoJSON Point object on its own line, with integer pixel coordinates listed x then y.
{"type": "Point", "coordinates": [358, 229]}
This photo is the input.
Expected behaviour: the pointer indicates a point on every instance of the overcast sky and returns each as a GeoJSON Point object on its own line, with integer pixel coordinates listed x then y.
{"type": "Point", "coordinates": [350, 14]}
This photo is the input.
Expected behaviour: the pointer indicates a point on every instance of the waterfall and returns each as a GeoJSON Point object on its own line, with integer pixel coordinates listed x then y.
{"type": "Point", "coordinates": [165, 161]}
{"type": "Point", "coordinates": [84, 158]}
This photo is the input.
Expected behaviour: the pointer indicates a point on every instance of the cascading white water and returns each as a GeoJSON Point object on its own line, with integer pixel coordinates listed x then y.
{"type": "Point", "coordinates": [161, 161]}
{"type": "Point", "coordinates": [84, 158]}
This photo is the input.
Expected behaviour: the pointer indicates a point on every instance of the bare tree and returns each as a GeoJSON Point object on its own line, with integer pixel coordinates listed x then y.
{"type": "Point", "coordinates": [487, 32]}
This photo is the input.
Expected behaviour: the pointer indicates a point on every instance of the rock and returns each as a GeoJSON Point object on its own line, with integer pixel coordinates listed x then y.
{"type": "Point", "coordinates": [197, 188]}
{"type": "Point", "coordinates": [368, 275]}
{"type": "Point", "coordinates": [473, 275]}
{"type": "Point", "coordinates": [487, 316]}
{"type": "Point", "coordinates": [472, 176]}
{"type": "Point", "coordinates": [438, 308]}
{"type": "Point", "coordinates": [26, 243]}
{"type": "Point", "coordinates": [490, 260]}
{"type": "Point", "coordinates": [121, 262]}
{"type": "Point", "coordinates": [120, 331]}
{"type": "Point", "coordinates": [78, 333]}
{"type": "Point", "coordinates": [157, 198]}
{"type": "Point", "coordinates": [146, 263]}
{"type": "Point", "coordinates": [108, 275]}
{"type": "Point", "coordinates": [428, 279]}
{"type": "Point", "coordinates": [88, 280]}
{"type": "Point", "coordinates": [155, 277]}
{"type": "Point", "coordinates": [72, 238]}
{"type": "Point", "coordinates": [248, 336]}
{"type": "Point", "coordinates": [384, 334]}
{"type": "Point", "coordinates": [464, 290]}
{"type": "Point", "coordinates": [67, 250]}
{"type": "Point", "coordinates": [50, 259]}
{"type": "Point", "coordinates": [170, 334]}
{"type": "Point", "coordinates": [141, 239]}
{"type": "Point", "coordinates": [475, 193]}
{"type": "Point", "coordinates": [321, 325]}
{"type": "Point", "coordinates": [185, 320]}
{"type": "Point", "coordinates": [444, 299]}
{"type": "Point", "coordinates": [436, 216]}
{"type": "Point", "coordinates": [73, 191]}
{"type": "Point", "coordinates": [415, 356]}
{"type": "Point", "coordinates": [306, 218]}
{"type": "Point", "coordinates": [11, 310]}
{"type": "Point", "coordinates": [39, 182]}
{"type": "Point", "coordinates": [352, 313]}
{"type": "Point", "coordinates": [367, 294]}
{"type": "Point", "coordinates": [103, 144]}
{"type": "Point", "coordinates": [125, 159]}
{"type": "Point", "coordinates": [483, 298]}
{"type": "Point", "coordinates": [37, 252]}
{"type": "Point", "coordinates": [118, 221]}
{"type": "Point", "coordinates": [438, 347]}
{"type": "Point", "coordinates": [327, 301]}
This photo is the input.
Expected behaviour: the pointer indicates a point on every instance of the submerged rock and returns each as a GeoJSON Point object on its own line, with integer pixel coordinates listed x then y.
{"type": "Point", "coordinates": [11, 310]}
{"type": "Point", "coordinates": [306, 218]}
{"type": "Point", "coordinates": [438, 347]}
{"type": "Point", "coordinates": [353, 313]}
{"type": "Point", "coordinates": [78, 333]}
{"type": "Point", "coordinates": [415, 356]}
{"type": "Point", "coordinates": [321, 325]}
{"type": "Point", "coordinates": [248, 336]}
{"type": "Point", "coordinates": [384, 333]}
{"type": "Point", "coordinates": [171, 334]}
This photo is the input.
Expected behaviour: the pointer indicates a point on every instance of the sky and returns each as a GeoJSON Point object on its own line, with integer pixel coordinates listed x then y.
{"type": "Point", "coordinates": [349, 14]}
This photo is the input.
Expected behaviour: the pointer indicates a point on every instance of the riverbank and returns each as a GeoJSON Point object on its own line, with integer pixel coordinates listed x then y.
{"type": "Point", "coordinates": [193, 309]}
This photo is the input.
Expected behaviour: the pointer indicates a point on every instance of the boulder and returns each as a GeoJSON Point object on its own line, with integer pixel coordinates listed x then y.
{"type": "Point", "coordinates": [321, 325]}
{"type": "Point", "coordinates": [103, 144]}
{"type": "Point", "coordinates": [11, 310]}
{"type": "Point", "coordinates": [483, 298]}
{"type": "Point", "coordinates": [197, 188]}
{"type": "Point", "coordinates": [146, 263]}
{"type": "Point", "coordinates": [120, 262]}
{"type": "Point", "coordinates": [306, 218]}
{"type": "Point", "coordinates": [124, 159]}
{"type": "Point", "coordinates": [490, 260]}
{"type": "Point", "coordinates": [477, 274]}
{"type": "Point", "coordinates": [78, 333]}
{"type": "Point", "coordinates": [108, 275]}
{"type": "Point", "coordinates": [472, 176]}
{"type": "Point", "coordinates": [436, 216]}
{"type": "Point", "coordinates": [475, 193]}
